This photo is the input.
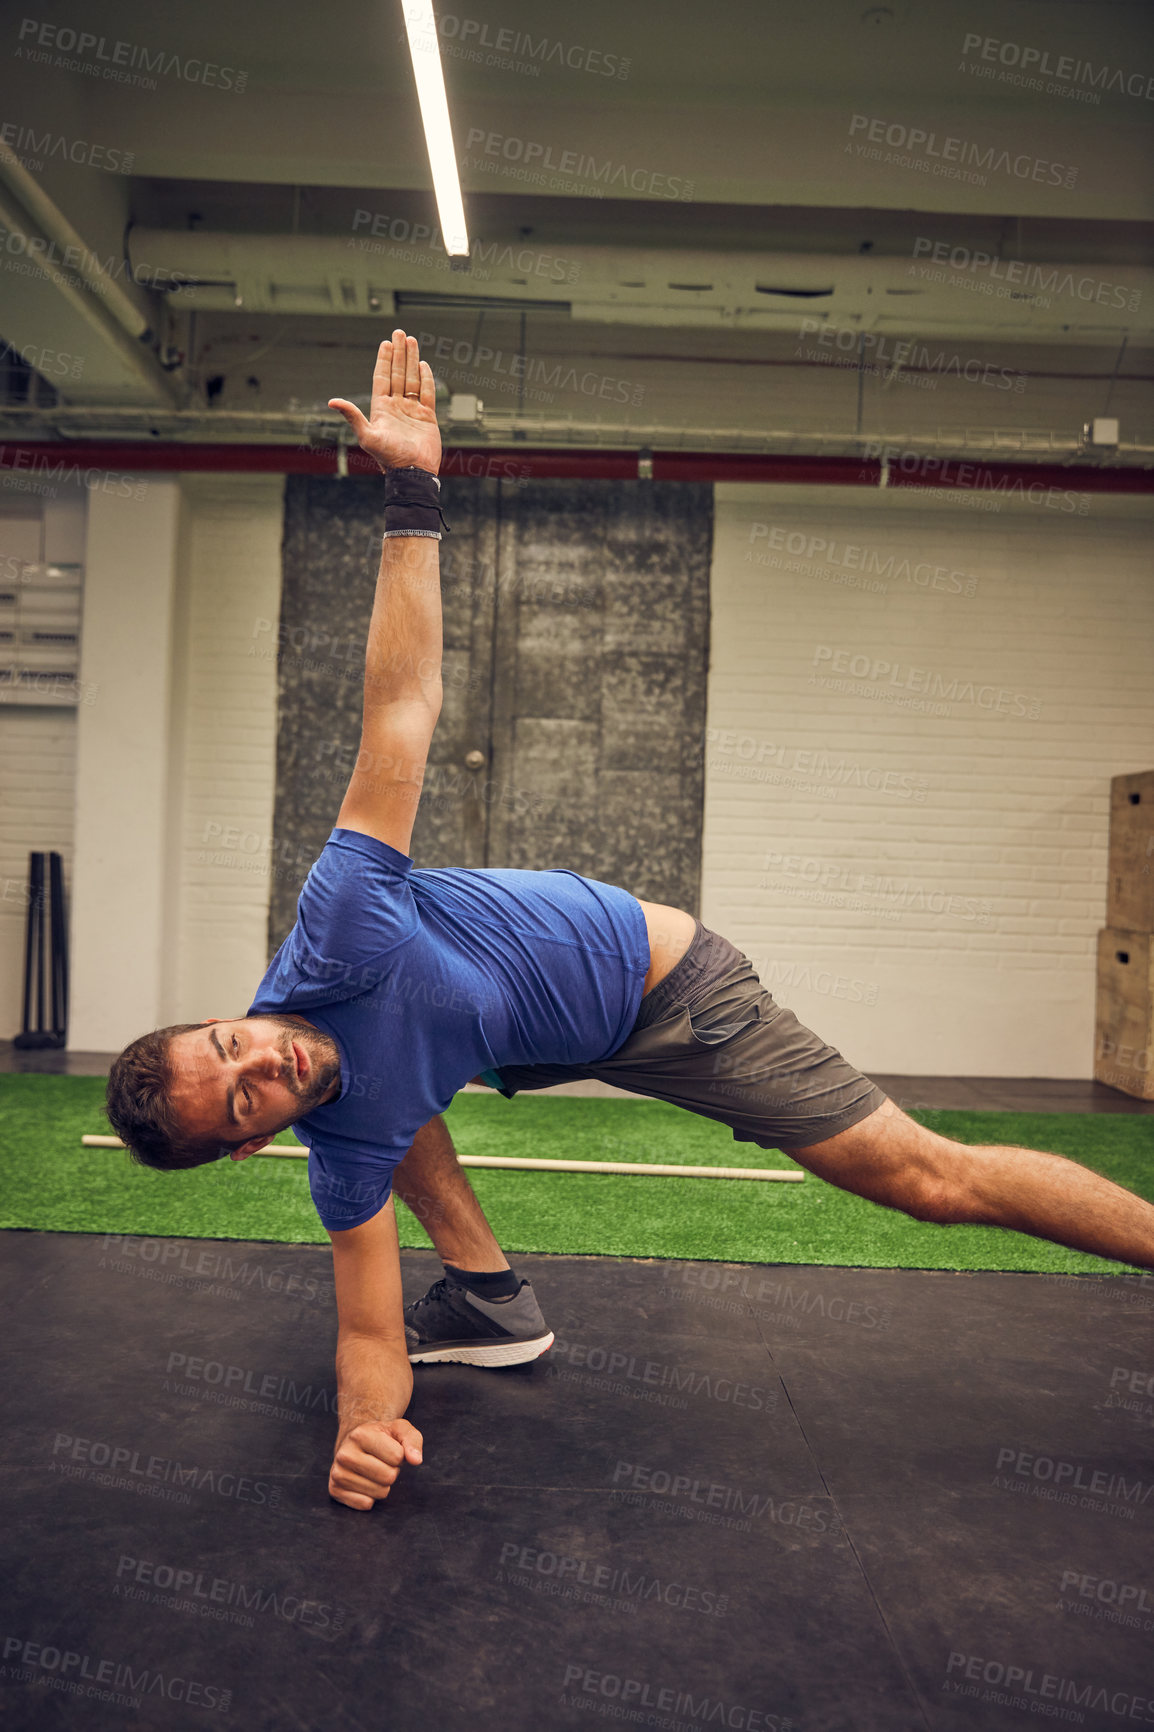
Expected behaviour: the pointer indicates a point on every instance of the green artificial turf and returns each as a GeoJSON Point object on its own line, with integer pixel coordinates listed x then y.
{"type": "Point", "coordinates": [47, 1180]}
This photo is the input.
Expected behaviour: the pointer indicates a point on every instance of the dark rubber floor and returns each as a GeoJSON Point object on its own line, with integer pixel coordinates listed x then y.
{"type": "Point", "coordinates": [756, 1498]}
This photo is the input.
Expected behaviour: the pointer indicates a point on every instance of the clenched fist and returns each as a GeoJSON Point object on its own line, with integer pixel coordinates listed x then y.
{"type": "Point", "coordinates": [368, 1458]}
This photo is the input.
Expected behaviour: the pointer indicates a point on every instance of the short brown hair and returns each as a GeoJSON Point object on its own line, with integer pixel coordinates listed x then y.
{"type": "Point", "coordinates": [140, 1112]}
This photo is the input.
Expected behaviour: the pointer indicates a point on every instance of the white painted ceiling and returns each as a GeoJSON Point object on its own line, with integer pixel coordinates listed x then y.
{"type": "Point", "coordinates": [715, 228]}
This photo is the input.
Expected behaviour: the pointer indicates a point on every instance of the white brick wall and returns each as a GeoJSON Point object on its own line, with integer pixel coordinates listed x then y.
{"type": "Point", "coordinates": [225, 712]}
{"type": "Point", "coordinates": [915, 855]}
{"type": "Point", "coordinates": [194, 943]}
{"type": "Point", "coordinates": [37, 758]}
{"type": "Point", "coordinates": [37, 779]}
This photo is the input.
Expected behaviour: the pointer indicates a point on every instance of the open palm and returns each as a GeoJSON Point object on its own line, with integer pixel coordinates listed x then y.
{"type": "Point", "coordinates": [401, 431]}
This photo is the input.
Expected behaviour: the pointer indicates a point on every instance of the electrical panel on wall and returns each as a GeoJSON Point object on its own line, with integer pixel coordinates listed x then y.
{"type": "Point", "coordinates": [40, 632]}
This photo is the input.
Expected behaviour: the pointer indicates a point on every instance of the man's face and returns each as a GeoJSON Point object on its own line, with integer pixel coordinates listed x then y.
{"type": "Point", "coordinates": [242, 1081]}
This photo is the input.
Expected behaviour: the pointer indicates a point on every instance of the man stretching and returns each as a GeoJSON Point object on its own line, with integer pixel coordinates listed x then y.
{"type": "Point", "coordinates": [397, 986]}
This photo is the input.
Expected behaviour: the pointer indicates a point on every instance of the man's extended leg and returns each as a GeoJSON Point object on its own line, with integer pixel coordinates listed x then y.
{"type": "Point", "coordinates": [479, 1312]}
{"type": "Point", "coordinates": [891, 1159]}
{"type": "Point", "coordinates": [711, 1039]}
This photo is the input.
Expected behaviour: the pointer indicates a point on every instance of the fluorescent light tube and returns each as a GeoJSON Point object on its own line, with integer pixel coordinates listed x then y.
{"type": "Point", "coordinates": [425, 49]}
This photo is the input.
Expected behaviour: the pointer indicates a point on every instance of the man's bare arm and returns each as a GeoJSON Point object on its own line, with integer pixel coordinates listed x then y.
{"type": "Point", "coordinates": [403, 658]}
{"type": "Point", "coordinates": [374, 1377]}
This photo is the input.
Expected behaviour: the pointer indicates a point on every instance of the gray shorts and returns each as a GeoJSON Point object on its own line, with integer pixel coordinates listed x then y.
{"type": "Point", "coordinates": [710, 1038]}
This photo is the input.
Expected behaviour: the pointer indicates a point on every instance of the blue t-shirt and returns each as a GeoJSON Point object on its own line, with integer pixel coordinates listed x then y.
{"type": "Point", "coordinates": [425, 978]}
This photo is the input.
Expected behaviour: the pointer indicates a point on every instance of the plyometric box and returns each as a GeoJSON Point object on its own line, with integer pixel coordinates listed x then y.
{"type": "Point", "coordinates": [1130, 895]}
{"type": "Point", "coordinates": [1124, 1034]}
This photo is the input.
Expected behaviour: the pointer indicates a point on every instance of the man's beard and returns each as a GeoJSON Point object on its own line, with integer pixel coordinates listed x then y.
{"type": "Point", "coordinates": [324, 1062]}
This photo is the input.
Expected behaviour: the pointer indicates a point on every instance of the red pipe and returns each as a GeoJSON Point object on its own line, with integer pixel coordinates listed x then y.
{"type": "Point", "coordinates": [753, 466]}
{"type": "Point", "coordinates": [56, 459]}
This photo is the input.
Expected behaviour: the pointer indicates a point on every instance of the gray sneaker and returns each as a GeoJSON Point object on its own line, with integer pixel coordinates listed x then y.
{"type": "Point", "coordinates": [452, 1324]}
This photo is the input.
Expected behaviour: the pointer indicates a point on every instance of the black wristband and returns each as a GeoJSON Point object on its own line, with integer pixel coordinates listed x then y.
{"type": "Point", "coordinates": [411, 504]}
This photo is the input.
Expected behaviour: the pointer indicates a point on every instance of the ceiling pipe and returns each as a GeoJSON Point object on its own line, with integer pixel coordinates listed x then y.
{"type": "Point", "coordinates": [54, 225]}
{"type": "Point", "coordinates": [26, 210]}
{"type": "Point", "coordinates": [57, 458]}
{"type": "Point", "coordinates": [30, 424]}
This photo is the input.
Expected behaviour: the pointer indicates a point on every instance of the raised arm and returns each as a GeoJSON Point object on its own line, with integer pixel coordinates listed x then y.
{"type": "Point", "coordinates": [403, 658]}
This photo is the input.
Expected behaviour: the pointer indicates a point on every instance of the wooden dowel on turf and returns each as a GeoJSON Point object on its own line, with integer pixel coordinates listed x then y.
{"type": "Point", "coordinates": [659, 1172]}
{"type": "Point", "coordinates": [789, 1175]}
